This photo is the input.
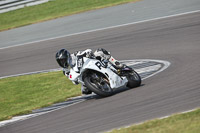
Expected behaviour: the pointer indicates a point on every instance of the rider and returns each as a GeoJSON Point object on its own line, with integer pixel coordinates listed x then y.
{"type": "Point", "coordinates": [67, 61]}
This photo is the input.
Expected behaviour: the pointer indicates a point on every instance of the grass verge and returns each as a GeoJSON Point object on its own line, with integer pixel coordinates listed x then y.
{"type": "Point", "coordinates": [180, 123]}
{"type": "Point", "coordinates": [52, 10]}
{"type": "Point", "coordinates": [20, 95]}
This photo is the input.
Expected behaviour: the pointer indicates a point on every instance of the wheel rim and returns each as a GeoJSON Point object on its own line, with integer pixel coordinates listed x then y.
{"type": "Point", "coordinates": [101, 83]}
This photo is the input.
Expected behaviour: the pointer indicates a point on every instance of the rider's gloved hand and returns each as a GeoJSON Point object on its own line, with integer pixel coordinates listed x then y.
{"type": "Point", "coordinates": [66, 72]}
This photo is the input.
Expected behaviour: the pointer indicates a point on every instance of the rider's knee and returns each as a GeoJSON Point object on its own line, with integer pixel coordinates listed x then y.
{"type": "Point", "coordinates": [102, 53]}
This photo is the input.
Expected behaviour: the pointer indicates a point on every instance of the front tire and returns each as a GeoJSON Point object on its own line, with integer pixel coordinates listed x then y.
{"type": "Point", "coordinates": [134, 79]}
{"type": "Point", "coordinates": [99, 85]}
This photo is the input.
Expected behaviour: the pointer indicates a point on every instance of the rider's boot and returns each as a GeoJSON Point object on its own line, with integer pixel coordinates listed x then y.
{"type": "Point", "coordinates": [85, 91]}
{"type": "Point", "coordinates": [120, 67]}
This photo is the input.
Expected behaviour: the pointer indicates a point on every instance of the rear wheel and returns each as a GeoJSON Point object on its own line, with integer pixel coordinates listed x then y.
{"type": "Point", "coordinates": [134, 79]}
{"type": "Point", "coordinates": [99, 84]}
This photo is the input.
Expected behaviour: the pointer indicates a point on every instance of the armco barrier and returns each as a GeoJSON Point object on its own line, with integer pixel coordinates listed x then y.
{"type": "Point", "coordinates": [9, 5]}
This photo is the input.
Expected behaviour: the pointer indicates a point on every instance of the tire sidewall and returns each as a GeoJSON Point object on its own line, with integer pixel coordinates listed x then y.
{"type": "Point", "coordinates": [133, 83]}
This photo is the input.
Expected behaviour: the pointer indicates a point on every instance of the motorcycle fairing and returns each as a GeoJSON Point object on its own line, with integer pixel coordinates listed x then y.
{"type": "Point", "coordinates": [115, 80]}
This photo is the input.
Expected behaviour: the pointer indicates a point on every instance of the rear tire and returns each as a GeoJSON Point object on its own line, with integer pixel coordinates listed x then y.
{"type": "Point", "coordinates": [134, 79]}
{"type": "Point", "coordinates": [100, 87]}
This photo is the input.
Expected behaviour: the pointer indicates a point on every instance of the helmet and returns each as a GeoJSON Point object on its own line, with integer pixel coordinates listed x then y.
{"type": "Point", "coordinates": [63, 58]}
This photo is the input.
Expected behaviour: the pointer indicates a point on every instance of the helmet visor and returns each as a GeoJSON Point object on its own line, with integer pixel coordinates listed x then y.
{"type": "Point", "coordinates": [63, 63]}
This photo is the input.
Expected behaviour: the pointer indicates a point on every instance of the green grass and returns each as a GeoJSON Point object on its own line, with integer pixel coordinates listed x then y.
{"type": "Point", "coordinates": [20, 95]}
{"type": "Point", "coordinates": [180, 123]}
{"type": "Point", "coordinates": [52, 10]}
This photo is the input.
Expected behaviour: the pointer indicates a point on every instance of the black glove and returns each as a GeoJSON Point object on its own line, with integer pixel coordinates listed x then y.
{"type": "Point", "coordinates": [66, 71]}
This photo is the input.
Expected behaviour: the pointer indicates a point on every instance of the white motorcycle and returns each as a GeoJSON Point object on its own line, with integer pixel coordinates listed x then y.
{"type": "Point", "coordinates": [101, 77]}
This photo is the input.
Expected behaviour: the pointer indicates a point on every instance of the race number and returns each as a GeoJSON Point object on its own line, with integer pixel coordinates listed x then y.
{"type": "Point", "coordinates": [100, 65]}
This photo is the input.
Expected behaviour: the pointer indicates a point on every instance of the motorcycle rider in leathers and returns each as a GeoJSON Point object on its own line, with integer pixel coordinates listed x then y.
{"type": "Point", "coordinates": [68, 61]}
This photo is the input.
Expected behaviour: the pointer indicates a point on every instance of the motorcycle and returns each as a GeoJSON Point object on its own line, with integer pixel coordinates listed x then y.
{"type": "Point", "coordinates": [102, 77]}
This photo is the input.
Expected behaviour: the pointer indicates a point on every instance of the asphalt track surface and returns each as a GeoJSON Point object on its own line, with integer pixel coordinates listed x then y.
{"type": "Point", "coordinates": [175, 39]}
{"type": "Point", "coordinates": [98, 19]}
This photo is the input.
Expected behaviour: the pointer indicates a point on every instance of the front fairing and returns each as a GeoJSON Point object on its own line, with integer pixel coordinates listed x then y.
{"type": "Point", "coordinates": [115, 80]}
{"type": "Point", "coordinates": [73, 75]}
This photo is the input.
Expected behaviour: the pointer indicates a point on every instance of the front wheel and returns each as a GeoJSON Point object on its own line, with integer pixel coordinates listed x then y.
{"type": "Point", "coordinates": [98, 84]}
{"type": "Point", "coordinates": [134, 79]}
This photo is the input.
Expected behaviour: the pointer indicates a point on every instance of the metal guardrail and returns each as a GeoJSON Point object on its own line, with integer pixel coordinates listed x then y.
{"type": "Point", "coordinates": [9, 5]}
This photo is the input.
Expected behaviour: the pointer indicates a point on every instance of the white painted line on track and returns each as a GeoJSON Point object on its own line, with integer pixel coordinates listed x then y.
{"type": "Point", "coordinates": [24, 117]}
{"type": "Point", "coordinates": [148, 69]}
{"type": "Point", "coordinates": [100, 29]}
{"type": "Point", "coordinates": [134, 63]}
{"type": "Point", "coordinates": [165, 63]}
{"type": "Point", "coordinates": [29, 73]}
